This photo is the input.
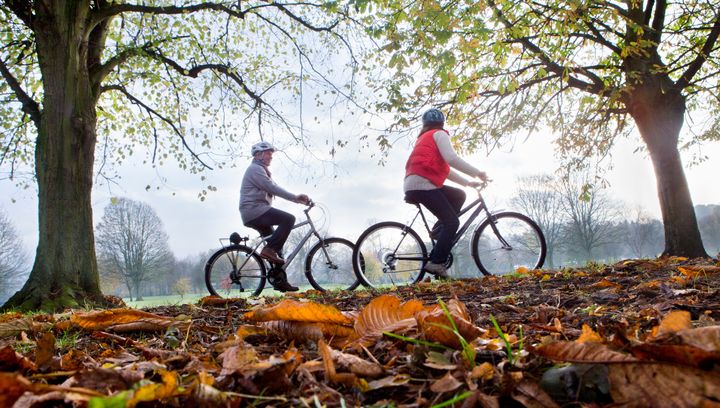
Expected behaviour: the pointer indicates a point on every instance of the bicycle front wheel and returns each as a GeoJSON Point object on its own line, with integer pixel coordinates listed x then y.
{"type": "Point", "coordinates": [389, 254]}
{"type": "Point", "coordinates": [328, 265]}
{"type": "Point", "coordinates": [507, 241]}
{"type": "Point", "coordinates": [234, 271]}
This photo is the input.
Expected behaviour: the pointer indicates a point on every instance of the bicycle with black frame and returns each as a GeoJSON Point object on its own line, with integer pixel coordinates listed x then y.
{"type": "Point", "coordinates": [392, 253]}
{"type": "Point", "coordinates": [238, 266]}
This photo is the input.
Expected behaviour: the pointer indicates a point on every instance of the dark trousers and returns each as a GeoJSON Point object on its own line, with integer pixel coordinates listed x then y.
{"type": "Point", "coordinates": [445, 203]}
{"type": "Point", "coordinates": [264, 225]}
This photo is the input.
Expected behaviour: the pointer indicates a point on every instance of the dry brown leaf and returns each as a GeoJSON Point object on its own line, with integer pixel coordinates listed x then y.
{"type": "Point", "coordinates": [574, 352]}
{"type": "Point", "coordinates": [331, 375]}
{"type": "Point", "coordinates": [530, 395]}
{"type": "Point", "coordinates": [123, 320]}
{"type": "Point", "coordinates": [10, 360]}
{"type": "Point", "coordinates": [294, 310]}
{"type": "Point", "coordinates": [14, 327]}
{"type": "Point", "coordinates": [356, 365]}
{"type": "Point", "coordinates": [679, 354]}
{"type": "Point", "coordinates": [45, 352]}
{"type": "Point", "coordinates": [237, 359]}
{"type": "Point", "coordinates": [674, 321]}
{"type": "Point", "coordinates": [446, 384]}
{"type": "Point", "coordinates": [604, 283]}
{"type": "Point", "coordinates": [12, 386]}
{"type": "Point", "coordinates": [392, 381]}
{"type": "Point", "coordinates": [309, 331]}
{"type": "Point", "coordinates": [663, 385]}
{"type": "Point", "coordinates": [706, 338]}
{"type": "Point", "coordinates": [436, 327]}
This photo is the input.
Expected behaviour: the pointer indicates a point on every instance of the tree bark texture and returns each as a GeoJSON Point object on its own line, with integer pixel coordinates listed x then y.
{"type": "Point", "coordinates": [65, 271]}
{"type": "Point", "coordinates": [659, 111]}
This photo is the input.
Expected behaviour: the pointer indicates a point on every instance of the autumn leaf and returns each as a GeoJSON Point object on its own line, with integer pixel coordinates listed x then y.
{"type": "Point", "coordinates": [124, 320]}
{"type": "Point", "coordinates": [588, 335]}
{"type": "Point", "coordinates": [436, 326]}
{"type": "Point", "coordinates": [574, 352]}
{"type": "Point", "coordinates": [168, 388]}
{"type": "Point", "coordinates": [673, 322]}
{"type": "Point", "coordinates": [385, 314]}
{"type": "Point", "coordinates": [309, 331]}
{"type": "Point", "coordinates": [294, 310]}
{"type": "Point", "coordinates": [667, 385]}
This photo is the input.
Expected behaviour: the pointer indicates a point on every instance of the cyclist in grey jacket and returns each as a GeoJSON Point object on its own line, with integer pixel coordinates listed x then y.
{"type": "Point", "coordinates": [256, 195]}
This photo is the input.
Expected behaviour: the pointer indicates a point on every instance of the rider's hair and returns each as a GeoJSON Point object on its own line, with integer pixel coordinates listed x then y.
{"type": "Point", "coordinates": [431, 126]}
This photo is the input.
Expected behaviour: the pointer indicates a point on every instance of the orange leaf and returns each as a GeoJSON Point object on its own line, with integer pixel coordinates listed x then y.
{"type": "Point", "coordinates": [294, 310]}
{"type": "Point", "coordinates": [675, 321]}
{"type": "Point", "coordinates": [436, 327]}
{"type": "Point", "coordinates": [588, 335]}
{"type": "Point", "coordinates": [12, 386]}
{"type": "Point", "coordinates": [157, 391]}
{"type": "Point", "coordinates": [122, 320]}
{"type": "Point", "coordinates": [385, 314]}
{"type": "Point", "coordinates": [604, 283]}
{"type": "Point", "coordinates": [309, 331]}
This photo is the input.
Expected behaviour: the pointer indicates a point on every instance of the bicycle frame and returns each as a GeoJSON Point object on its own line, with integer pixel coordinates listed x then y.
{"type": "Point", "coordinates": [312, 231]}
{"type": "Point", "coordinates": [480, 205]}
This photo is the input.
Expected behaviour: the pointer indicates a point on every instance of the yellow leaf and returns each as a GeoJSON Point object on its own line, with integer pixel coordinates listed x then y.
{"type": "Point", "coordinates": [545, 277]}
{"type": "Point", "coordinates": [522, 270]}
{"type": "Point", "coordinates": [156, 392]}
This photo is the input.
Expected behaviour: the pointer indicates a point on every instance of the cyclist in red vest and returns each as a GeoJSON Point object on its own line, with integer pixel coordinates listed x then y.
{"type": "Point", "coordinates": [431, 162]}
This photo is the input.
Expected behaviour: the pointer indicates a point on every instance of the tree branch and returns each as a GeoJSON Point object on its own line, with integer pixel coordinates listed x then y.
{"type": "Point", "coordinates": [702, 56]}
{"type": "Point", "coordinates": [29, 105]}
{"type": "Point", "coordinates": [153, 112]}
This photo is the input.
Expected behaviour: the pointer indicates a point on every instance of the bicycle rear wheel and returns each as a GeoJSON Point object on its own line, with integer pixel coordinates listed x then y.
{"type": "Point", "coordinates": [328, 265]}
{"type": "Point", "coordinates": [232, 271]}
{"type": "Point", "coordinates": [389, 254]}
{"type": "Point", "coordinates": [507, 241]}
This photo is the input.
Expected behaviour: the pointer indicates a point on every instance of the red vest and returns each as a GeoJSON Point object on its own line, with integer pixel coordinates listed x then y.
{"type": "Point", "coordinates": [426, 161]}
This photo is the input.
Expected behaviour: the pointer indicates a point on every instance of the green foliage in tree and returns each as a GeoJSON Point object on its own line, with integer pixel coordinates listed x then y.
{"type": "Point", "coordinates": [586, 70]}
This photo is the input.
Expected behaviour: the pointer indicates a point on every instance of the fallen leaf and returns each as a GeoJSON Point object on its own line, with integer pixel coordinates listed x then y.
{"type": "Point", "coordinates": [294, 310]}
{"type": "Point", "coordinates": [124, 320]}
{"type": "Point", "coordinates": [588, 335]}
{"type": "Point", "coordinates": [675, 321]}
{"type": "Point", "coordinates": [385, 314]}
{"type": "Point", "coordinates": [667, 385]}
{"type": "Point", "coordinates": [445, 384]}
{"type": "Point", "coordinates": [436, 326]}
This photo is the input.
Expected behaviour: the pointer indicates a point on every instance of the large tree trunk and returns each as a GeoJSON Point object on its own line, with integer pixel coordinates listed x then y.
{"type": "Point", "coordinates": [65, 271]}
{"type": "Point", "coordinates": [659, 115]}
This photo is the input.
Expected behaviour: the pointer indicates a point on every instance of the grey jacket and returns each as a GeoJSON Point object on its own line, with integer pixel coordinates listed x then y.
{"type": "Point", "coordinates": [257, 191]}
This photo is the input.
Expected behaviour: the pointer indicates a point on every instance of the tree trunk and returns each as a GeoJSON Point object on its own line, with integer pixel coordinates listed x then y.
{"type": "Point", "coordinates": [65, 271]}
{"type": "Point", "coordinates": [659, 115]}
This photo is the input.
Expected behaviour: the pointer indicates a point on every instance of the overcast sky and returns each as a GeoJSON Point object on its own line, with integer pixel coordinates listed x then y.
{"type": "Point", "coordinates": [355, 191]}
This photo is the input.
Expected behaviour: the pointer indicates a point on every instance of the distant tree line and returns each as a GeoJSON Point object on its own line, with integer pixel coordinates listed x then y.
{"type": "Point", "coordinates": [582, 223]}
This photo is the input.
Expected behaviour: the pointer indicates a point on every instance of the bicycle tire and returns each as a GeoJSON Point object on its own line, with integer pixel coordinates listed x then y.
{"type": "Point", "coordinates": [336, 272]}
{"type": "Point", "coordinates": [226, 261]}
{"type": "Point", "coordinates": [375, 259]}
{"type": "Point", "coordinates": [527, 244]}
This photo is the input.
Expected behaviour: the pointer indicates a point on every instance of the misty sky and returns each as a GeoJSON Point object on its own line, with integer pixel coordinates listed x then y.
{"type": "Point", "coordinates": [355, 191]}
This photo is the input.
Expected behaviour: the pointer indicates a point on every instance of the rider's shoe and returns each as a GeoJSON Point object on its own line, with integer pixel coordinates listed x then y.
{"type": "Point", "coordinates": [272, 256]}
{"type": "Point", "coordinates": [436, 269]}
{"type": "Point", "coordinates": [284, 286]}
{"type": "Point", "coordinates": [278, 280]}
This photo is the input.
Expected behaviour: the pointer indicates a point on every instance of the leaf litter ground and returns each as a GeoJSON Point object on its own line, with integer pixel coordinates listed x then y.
{"type": "Point", "coordinates": [636, 333]}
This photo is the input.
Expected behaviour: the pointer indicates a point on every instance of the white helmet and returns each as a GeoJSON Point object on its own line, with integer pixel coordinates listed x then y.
{"type": "Point", "coordinates": [261, 147]}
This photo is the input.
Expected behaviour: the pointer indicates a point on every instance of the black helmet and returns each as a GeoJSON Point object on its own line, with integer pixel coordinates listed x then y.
{"type": "Point", "coordinates": [433, 116]}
